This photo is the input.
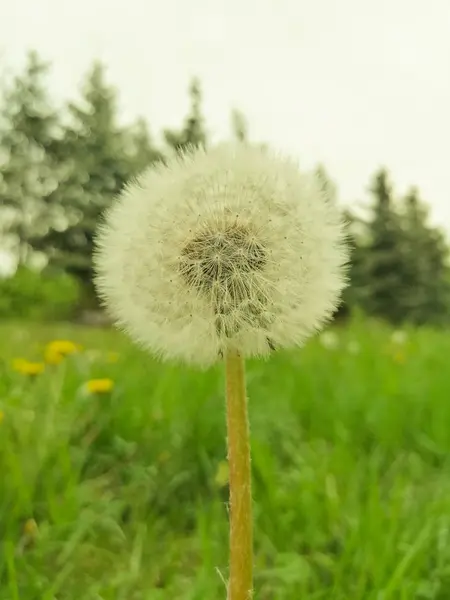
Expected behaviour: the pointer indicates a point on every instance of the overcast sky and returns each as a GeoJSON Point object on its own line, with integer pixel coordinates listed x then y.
{"type": "Point", "coordinates": [352, 83]}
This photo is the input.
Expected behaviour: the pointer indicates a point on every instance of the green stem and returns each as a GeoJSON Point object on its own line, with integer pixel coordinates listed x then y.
{"type": "Point", "coordinates": [240, 586]}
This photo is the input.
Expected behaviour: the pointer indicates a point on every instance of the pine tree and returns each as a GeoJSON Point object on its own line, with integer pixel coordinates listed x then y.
{"type": "Point", "coordinates": [326, 183]}
{"type": "Point", "coordinates": [399, 269]}
{"type": "Point", "coordinates": [142, 148]}
{"type": "Point", "coordinates": [239, 126]}
{"type": "Point", "coordinates": [193, 133]}
{"type": "Point", "coordinates": [99, 157]}
{"type": "Point", "coordinates": [354, 294]}
{"type": "Point", "coordinates": [384, 260]}
{"type": "Point", "coordinates": [426, 282]}
{"type": "Point", "coordinates": [30, 136]}
{"type": "Point", "coordinates": [330, 190]}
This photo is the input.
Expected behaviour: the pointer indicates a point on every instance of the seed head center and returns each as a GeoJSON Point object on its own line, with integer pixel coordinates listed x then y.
{"type": "Point", "coordinates": [216, 259]}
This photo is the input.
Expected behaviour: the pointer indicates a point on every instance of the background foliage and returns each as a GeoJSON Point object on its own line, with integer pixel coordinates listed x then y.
{"type": "Point", "coordinates": [60, 167]}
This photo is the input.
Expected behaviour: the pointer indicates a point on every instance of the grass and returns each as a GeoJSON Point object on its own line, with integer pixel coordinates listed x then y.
{"type": "Point", "coordinates": [123, 496]}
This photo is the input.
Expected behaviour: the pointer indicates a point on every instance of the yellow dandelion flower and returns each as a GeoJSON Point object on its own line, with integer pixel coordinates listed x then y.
{"type": "Point", "coordinates": [18, 364]}
{"type": "Point", "coordinates": [113, 357]}
{"type": "Point", "coordinates": [222, 474]}
{"type": "Point", "coordinates": [399, 337]}
{"type": "Point", "coordinates": [61, 348]}
{"type": "Point", "coordinates": [100, 386]}
{"type": "Point", "coordinates": [34, 368]}
{"type": "Point", "coordinates": [28, 368]}
{"type": "Point", "coordinates": [399, 358]}
{"type": "Point", "coordinates": [52, 357]}
{"type": "Point", "coordinates": [56, 350]}
{"type": "Point", "coordinates": [30, 528]}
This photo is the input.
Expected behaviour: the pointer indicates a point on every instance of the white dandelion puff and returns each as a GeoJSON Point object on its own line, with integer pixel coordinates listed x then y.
{"type": "Point", "coordinates": [227, 249]}
{"type": "Point", "coordinates": [329, 340]}
{"type": "Point", "coordinates": [399, 337]}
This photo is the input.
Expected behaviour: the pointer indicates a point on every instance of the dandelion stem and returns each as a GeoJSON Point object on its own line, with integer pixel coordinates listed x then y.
{"type": "Point", "coordinates": [240, 586]}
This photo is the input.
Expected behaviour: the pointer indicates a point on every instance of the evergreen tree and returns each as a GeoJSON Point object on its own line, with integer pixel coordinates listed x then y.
{"type": "Point", "coordinates": [30, 144]}
{"type": "Point", "coordinates": [239, 126]}
{"type": "Point", "coordinates": [383, 266]}
{"type": "Point", "coordinates": [99, 157]}
{"type": "Point", "coordinates": [399, 269]}
{"type": "Point", "coordinates": [56, 178]}
{"type": "Point", "coordinates": [193, 132]}
{"type": "Point", "coordinates": [329, 187]}
{"type": "Point", "coordinates": [142, 148]}
{"type": "Point", "coordinates": [353, 296]}
{"type": "Point", "coordinates": [426, 274]}
{"type": "Point", "coordinates": [326, 183]}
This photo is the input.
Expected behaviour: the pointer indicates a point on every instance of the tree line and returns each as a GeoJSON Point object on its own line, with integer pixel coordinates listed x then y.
{"type": "Point", "coordinates": [61, 167]}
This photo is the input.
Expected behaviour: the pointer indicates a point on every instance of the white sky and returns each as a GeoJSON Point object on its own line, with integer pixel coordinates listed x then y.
{"type": "Point", "coordinates": [352, 83]}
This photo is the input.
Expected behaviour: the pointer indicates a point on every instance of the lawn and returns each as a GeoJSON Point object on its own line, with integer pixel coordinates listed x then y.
{"type": "Point", "coordinates": [122, 495]}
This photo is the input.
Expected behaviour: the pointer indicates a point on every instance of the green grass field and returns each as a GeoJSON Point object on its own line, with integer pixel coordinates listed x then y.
{"type": "Point", "coordinates": [122, 496]}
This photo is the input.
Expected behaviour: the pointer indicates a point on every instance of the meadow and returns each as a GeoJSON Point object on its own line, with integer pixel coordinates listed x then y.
{"type": "Point", "coordinates": [116, 489]}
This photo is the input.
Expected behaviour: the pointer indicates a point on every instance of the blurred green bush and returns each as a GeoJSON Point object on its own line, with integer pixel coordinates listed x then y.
{"type": "Point", "coordinates": [33, 294]}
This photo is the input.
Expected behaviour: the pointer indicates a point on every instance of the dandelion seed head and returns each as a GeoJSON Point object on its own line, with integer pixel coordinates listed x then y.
{"type": "Point", "coordinates": [231, 248]}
